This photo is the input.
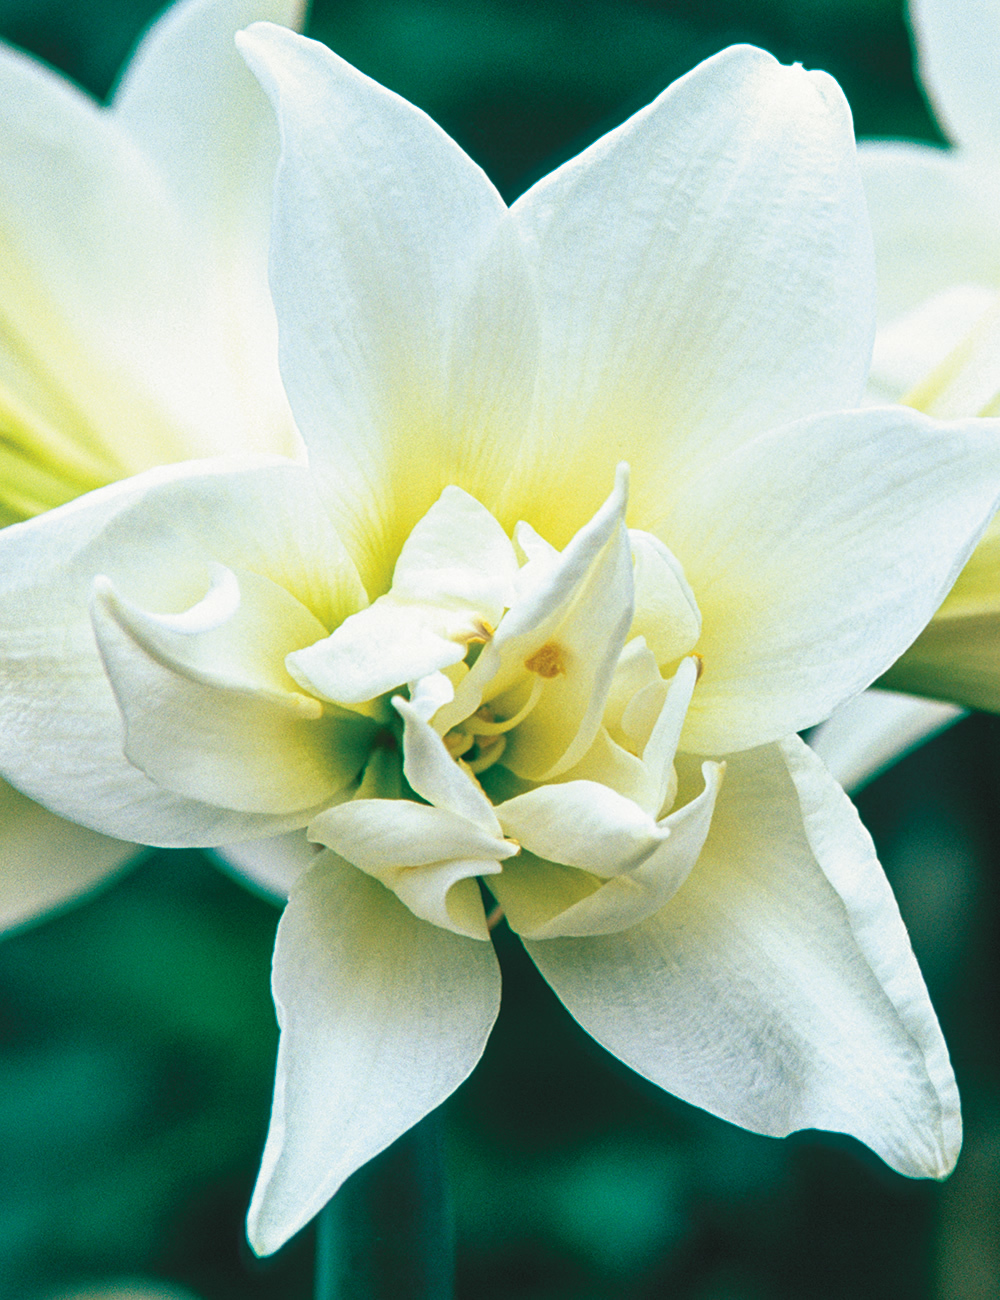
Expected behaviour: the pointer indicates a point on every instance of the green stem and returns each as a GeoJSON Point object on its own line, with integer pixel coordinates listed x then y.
{"type": "Point", "coordinates": [388, 1233]}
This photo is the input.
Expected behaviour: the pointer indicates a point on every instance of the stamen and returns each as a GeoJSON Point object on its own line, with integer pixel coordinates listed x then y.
{"type": "Point", "coordinates": [494, 918]}
{"type": "Point", "coordinates": [482, 632]}
{"type": "Point", "coordinates": [480, 727]}
{"type": "Point", "coordinates": [458, 743]}
{"type": "Point", "coordinates": [488, 754]}
{"type": "Point", "coordinates": [699, 664]}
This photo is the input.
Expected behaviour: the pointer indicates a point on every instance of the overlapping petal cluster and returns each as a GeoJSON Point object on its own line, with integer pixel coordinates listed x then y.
{"type": "Point", "coordinates": [590, 526]}
{"type": "Point", "coordinates": [136, 326]}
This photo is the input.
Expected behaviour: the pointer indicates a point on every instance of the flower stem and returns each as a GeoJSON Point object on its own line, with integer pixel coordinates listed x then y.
{"type": "Point", "coordinates": [388, 1232]}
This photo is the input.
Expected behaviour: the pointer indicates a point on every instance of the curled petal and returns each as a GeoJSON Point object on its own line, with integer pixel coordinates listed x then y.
{"type": "Point", "coordinates": [543, 902]}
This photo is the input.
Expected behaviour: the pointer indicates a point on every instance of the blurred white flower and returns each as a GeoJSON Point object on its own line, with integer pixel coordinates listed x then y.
{"type": "Point", "coordinates": [937, 254]}
{"type": "Point", "coordinates": [468, 648]}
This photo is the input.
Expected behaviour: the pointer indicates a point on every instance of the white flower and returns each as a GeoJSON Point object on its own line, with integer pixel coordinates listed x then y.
{"type": "Point", "coordinates": [137, 326]}
{"type": "Point", "coordinates": [937, 246]}
{"type": "Point", "coordinates": [466, 645]}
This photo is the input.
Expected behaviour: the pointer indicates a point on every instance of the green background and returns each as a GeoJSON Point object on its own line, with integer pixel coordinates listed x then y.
{"type": "Point", "coordinates": [136, 1031]}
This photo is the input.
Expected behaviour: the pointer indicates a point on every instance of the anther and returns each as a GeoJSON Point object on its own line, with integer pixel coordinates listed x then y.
{"type": "Point", "coordinates": [548, 661]}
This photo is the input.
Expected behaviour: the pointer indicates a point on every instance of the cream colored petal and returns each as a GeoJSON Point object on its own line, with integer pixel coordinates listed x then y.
{"type": "Point", "coordinates": [954, 659]}
{"type": "Point", "coordinates": [624, 900]}
{"type": "Point", "coordinates": [436, 777]}
{"type": "Point", "coordinates": [582, 824]}
{"type": "Point", "coordinates": [452, 581]}
{"type": "Point", "coordinates": [874, 730]}
{"type": "Point", "coordinates": [208, 710]}
{"type": "Point", "coordinates": [777, 988]}
{"type": "Point", "coordinates": [666, 611]}
{"type": "Point", "coordinates": [382, 1016]}
{"type": "Point", "coordinates": [422, 854]}
{"type": "Point", "coordinates": [705, 273]}
{"type": "Point", "coordinates": [49, 862]}
{"type": "Point", "coordinates": [566, 629]}
{"type": "Point", "coordinates": [187, 98]}
{"type": "Point", "coordinates": [407, 327]}
{"type": "Point", "coordinates": [919, 346]}
{"type": "Point", "coordinates": [817, 555]}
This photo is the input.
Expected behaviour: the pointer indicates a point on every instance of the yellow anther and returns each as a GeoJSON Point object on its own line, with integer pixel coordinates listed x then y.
{"type": "Point", "coordinates": [482, 631]}
{"type": "Point", "coordinates": [548, 661]}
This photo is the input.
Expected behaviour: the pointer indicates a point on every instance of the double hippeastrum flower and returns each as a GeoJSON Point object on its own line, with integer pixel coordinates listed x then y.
{"type": "Point", "coordinates": [588, 531]}
{"type": "Point", "coordinates": [135, 323]}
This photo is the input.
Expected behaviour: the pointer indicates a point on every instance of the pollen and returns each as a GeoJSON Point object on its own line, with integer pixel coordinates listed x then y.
{"type": "Point", "coordinates": [699, 665]}
{"type": "Point", "coordinates": [549, 661]}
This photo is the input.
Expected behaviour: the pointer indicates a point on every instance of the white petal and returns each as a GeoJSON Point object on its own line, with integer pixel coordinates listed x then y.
{"type": "Point", "coordinates": [48, 862]}
{"type": "Point", "coordinates": [705, 273]}
{"type": "Point", "coordinates": [206, 711]}
{"type": "Point", "coordinates": [666, 612]}
{"type": "Point", "coordinates": [540, 903]}
{"type": "Point", "coordinates": [917, 345]}
{"type": "Point", "coordinates": [154, 536]}
{"type": "Point", "coordinates": [582, 824]}
{"type": "Point", "coordinates": [428, 857]}
{"type": "Point", "coordinates": [817, 555]}
{"type": "Point", "coordinates": [777, 988]}
{"type": "Point", "coordinates": [380, 835]}
{"type": "Point", "coordinates": [404, 309]}
{"type": "Point", "coordinates": [874, 730]}
{"type": "Point", "coordinates": [382, 1016]}
{"type": "Point", "coordinates": [958, 44]}
{"type": "Point", "coordinates": [435, 775]}
{"type": "Point", "coordinates": [572, 621]}
{"type": "Point", "coordinates": [452, 581]}
{"type": "Point", "coordinates": [955, 659]}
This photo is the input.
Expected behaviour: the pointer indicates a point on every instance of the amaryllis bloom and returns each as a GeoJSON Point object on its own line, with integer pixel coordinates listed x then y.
{"type": "Point", "coordinates": [590, 527]}
{"type": "Point", "coordinates": [937, 246]}
{"type": "Point", "coordinates": [137, 324]}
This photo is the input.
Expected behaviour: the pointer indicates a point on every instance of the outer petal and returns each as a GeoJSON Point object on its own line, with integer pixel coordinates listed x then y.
{"type": "Point", "coordinates": [48, 861]}
{"type": "Point", "coordinates": [382, 1017]}
{"type": "Point", "coordinates": [817, 555]}
{"type": "Point", "coordinates": [874, 730]}
{"type": "Point", "coordinates": [154, 536]}
{"type": "Point", "coordinates": [705, 273]}
{"type": "Point", "coordinates": [958, 48]}
{"type": "Point", "coordinates": [777, 988]}
{"type": "Point", "coordinates": [404, 309]}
